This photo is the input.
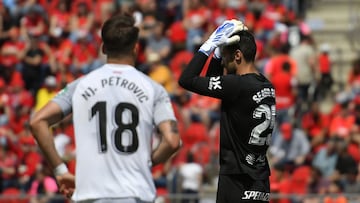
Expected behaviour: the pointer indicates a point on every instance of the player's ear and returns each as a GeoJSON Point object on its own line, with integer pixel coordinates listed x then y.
{"type": "Point", "coordinates": [238, 56]}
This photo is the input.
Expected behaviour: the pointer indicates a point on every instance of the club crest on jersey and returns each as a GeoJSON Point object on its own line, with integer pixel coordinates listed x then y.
{"type": "Point", "coordinates": [63, 91]}
{"type": "Point", "coordinates": [214, 83]}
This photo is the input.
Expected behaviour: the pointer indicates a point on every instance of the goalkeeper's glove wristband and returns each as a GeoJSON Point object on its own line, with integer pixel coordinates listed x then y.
{"type": "Point", "coordinates": [207, 48]}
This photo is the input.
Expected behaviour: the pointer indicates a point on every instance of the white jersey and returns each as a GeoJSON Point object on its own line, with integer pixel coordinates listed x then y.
{"type": "Point", "coordinates": [114, 111]}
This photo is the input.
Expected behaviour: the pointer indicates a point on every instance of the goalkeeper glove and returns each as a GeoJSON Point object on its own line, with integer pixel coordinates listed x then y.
{"type": "Point", "coordinates": [223, 35]}
{"type": "Point", "coordinates": [217, 54]}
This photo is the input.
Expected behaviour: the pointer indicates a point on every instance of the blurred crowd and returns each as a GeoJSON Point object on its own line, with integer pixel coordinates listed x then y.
{"type": "Point", "coordinates": [46, 44]}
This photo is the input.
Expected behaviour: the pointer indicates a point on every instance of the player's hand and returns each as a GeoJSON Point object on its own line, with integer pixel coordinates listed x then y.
{"type": "Point", "coordinates": [223, 35]}
{"type": "Point", "coordinates": [66, 184]}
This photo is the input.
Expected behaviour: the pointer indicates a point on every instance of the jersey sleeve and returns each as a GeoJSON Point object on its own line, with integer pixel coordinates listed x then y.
{"type": "Point", "coordinates": [162, 106]}
{"type": "Point", "coordinates": [215, 68]}
{"type": "Point", "coordinates": [64, 97]}
{"type": "Point", "coordinates": [220, 86]}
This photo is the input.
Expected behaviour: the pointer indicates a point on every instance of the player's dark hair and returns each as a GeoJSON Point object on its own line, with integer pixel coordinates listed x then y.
{"type": "Point", "coordinates": [247, 46]}
{"type": "Point", "coordinates": [119, 35]}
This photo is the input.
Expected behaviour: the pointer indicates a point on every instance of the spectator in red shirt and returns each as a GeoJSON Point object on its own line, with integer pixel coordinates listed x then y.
{"type": "Point", "coordinates": [279, 182]}
{"type": "Point", "coordinates": [33, 24]}
{"type": "Point", "coordinates": [342, 125]}
{"type": "Point", "coordinates": [84, 55]}
{"type": "Point", "coordinates": [285, 92]}
{"type": "Point", "coordinates": [22, 102]}
{"type": "Point", "coordinates": [12, 50]}
{"type": "Point", "coordinates": [260, 23]}
{"type": "Point", "coordinates": [179, 60]}
{"type": "Point", "coordinates": [316, 125]}
{"type": "Point", "coordinates": [82, 19]}
{"type": "Point", "coordinates": [325, 70]}
{"type": "Point", "coordinates": [195, 133]}
{"type": "Point", "coordinates": [59, 18]}
{"type": "Point", "coordinates": [299, 182]}
{"type": "Point", "coordinates": [61, 48]}
{"type": "Point", "coordinates": [276, 62]}
{"type": "Point", "coordinates": [207, 108]}
{"type": "Point", "coordinates": [176, 33]}
{"type": "Point", "coordinates": [202, 153]}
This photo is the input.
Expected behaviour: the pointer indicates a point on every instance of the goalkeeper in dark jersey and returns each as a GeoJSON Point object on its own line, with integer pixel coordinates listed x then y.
{"type": "Point", "coordinates": [247, 110]}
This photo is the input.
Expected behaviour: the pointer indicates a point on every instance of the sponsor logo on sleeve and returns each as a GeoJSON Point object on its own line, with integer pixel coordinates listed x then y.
{"type": "Point", "coordinates": [215, 83]}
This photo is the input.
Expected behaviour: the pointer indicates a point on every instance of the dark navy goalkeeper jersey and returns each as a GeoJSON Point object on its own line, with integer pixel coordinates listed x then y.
{"type": "Point", "coordinates": [247, 115]}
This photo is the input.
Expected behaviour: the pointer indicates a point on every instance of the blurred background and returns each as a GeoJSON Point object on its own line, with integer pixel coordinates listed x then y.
{"type": "Point", "coordinates": [309, 49]}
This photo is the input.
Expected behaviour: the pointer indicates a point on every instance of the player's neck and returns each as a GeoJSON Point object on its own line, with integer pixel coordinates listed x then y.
{"type": "Point", "coordinates": [124, 60]}
{"type": "Point", "coordinates": [246, 69]}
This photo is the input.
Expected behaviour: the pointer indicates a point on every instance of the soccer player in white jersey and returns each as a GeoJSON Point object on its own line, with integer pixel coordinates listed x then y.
{"type": "Point", "coordinates": [115, 109]}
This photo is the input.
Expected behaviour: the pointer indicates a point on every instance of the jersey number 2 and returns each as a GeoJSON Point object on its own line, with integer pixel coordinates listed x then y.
{"type": "Point", "coordinates": [268, 123]}
{"type": "Point", "coordinates": [100, 109]}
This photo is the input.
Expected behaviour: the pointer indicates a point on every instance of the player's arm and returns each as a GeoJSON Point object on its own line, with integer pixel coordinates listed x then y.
{"type": "Point", "coordinates": [52, 113]}
{"type": "Point", "coordinates": [210, 86]}
{"type": "Point", "coordinates": [215, 68]}
{"type": "Point", "coordinates": [216, 86]}
{"type": "Point", "coordinates": [169, 143]}
{"type": "Point", "coordinates": [40, 123]}
{"type": "Point", "coordinates": [165, 122]}
{"type": "Point", "coordinates": [192, 71]}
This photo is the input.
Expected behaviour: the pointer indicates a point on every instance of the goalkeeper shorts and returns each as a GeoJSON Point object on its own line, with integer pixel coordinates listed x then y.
{"type": "Point", "coordinates": [242, 188]}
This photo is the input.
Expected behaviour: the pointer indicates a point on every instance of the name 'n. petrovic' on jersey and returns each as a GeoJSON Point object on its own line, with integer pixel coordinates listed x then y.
{"type": "Point", "coordinates": [120, 82]}
{"type": "Point", "coordinates": [264, 93]}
